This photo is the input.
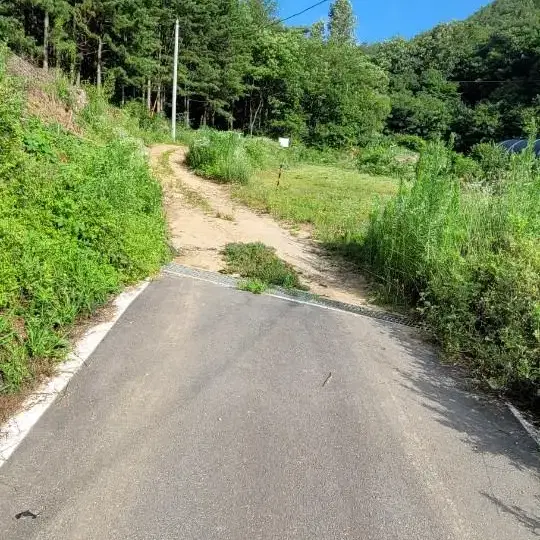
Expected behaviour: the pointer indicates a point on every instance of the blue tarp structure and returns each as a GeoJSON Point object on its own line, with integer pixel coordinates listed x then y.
{"type": "Point", "coordinates": [515, 146]}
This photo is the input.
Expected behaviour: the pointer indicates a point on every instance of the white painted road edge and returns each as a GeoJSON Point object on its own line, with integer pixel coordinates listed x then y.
{"type": "Point", "coordinates": [17, 428]}
{"type": "Point", "coordinates": [533, 432]}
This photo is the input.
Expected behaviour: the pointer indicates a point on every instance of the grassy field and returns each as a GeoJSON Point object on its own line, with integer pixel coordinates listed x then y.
{"type": "Point", "coordinates": [336, 201]}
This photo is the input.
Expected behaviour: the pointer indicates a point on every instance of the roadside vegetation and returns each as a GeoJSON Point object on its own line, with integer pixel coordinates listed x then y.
{"type": "Point", "coordinates": [468, 256]}
{"type": "Point", "coordinates": [80, 218]}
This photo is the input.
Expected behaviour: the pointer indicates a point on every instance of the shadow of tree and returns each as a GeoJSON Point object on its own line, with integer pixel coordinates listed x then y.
{"type": "Point", "coordinates": [531, 522]}
{"type": "Point", "coordinates": [457, 402]}
{"type": "Point", "coordinates": [481, 420]}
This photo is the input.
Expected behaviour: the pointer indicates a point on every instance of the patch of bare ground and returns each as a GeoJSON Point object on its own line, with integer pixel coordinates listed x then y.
{"type": "Point", "coordinates": [41, 99]}
{"type": "Point", "coordinates": [200, 232]}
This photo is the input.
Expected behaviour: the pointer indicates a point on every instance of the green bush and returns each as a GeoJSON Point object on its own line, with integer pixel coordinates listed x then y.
{"type": "Point", "coordinates": [154, 127]}
{"type": "Point", "coordinates": [465, 168]}
{"type": "Point", "coordinates": [470, 260]}
{"type": "Point", "coordinates": [79, 219]}
{"type": "Point", "coordinates": [411, 142]}
{"type": "Point", "coordinates": [385, 159]}
{"type": "Point", "coordinates": [494, 162]}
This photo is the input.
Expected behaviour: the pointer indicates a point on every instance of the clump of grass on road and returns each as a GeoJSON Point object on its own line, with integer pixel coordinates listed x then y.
{"type": "Point", "coordinates": [253, 285]}
{"type": "Point", "coordinates": [336, 201]}
{"type": "Point", "coordinates": [261, 265]}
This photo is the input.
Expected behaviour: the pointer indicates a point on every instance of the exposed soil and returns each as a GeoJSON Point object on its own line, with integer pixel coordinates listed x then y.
{"type": "Point", "coordinates": [199, 232]}
{"type": "Point", "coordinates": [40, 99]}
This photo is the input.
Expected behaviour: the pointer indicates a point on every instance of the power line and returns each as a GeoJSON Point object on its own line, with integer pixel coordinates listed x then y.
{"type": "Point", "coordinates": [300, 12]}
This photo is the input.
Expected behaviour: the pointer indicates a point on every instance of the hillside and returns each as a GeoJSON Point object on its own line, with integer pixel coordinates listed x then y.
{"type": "Point", "coordinates": [476, 79]}
{"type": "Point", "coordinates": [80, 217]}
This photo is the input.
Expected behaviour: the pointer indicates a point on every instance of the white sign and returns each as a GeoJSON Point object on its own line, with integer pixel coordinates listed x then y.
{"type": "Point", "coordinates": [284, 143]}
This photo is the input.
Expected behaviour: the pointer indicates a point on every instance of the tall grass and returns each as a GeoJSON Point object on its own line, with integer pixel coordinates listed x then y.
{"type": "Point", "coordinates": [232, 157]}
{"type": "Point", "coordinates": [221, 156]}
{"type": "Point", "coordinates": [469, 258]}
{"type": "Point", "coordinates": [79, 219]}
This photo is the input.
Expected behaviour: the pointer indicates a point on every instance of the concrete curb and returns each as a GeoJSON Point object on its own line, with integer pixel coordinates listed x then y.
{"type": "Point", "coordinates": [533, 432]}
{"type": "Point", "coordinates": [293, 295]}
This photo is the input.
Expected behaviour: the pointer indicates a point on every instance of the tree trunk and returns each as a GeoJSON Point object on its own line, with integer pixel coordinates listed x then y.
{"type": "Point", "coordinates": [187, 105]}
{"type": "Point", "coordinates": [46, 42]}
{"type": "Point", "coordinates": [252, 123]}
{"type": "Point", "coordinates": [99, 60]}
{"type": "Point", "coordinates": [158, 98]}
{"type": "Point", "coordinates": [123, 94]}
{"type": "Point", "coordinates": [149, 95]}
{"type": "Point", "coordinates": [78, 82]}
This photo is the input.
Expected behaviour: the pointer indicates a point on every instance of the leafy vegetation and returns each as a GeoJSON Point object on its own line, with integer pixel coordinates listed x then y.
{"type": "Point", "coordinates": [79, 219]}
{"type": "Point", "coordinates": [253, 285]}
{"type": "Point", "coordinates": [469, 258]}
{"type": "Point", "coordinates": [261, 265]}
{"type": "Point", "coordinates": [239, 67]}
{"type": "Point", "coordinates": [476, 78]}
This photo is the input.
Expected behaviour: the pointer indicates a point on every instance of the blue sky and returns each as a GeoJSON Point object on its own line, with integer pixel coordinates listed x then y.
{"type": "Point", "coordinates": [381, 19]}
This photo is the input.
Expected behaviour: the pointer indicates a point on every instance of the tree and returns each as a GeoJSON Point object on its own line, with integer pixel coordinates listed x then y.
{"type": "Point", "coordinates": [342, 22]}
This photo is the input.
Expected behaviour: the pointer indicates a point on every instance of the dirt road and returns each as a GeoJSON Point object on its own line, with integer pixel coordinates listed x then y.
{"type": "Point", "coordinates": [203, 219]}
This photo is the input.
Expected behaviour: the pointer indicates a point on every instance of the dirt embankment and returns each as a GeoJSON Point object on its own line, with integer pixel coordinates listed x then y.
{"type": "Point", "coordinates": [41, 94]}
{"type": "Point", "coordinates": [203, 219]}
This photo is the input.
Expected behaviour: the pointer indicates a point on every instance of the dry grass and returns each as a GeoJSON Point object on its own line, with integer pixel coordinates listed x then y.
{"type": "Point", "coordinates": [41, 99]}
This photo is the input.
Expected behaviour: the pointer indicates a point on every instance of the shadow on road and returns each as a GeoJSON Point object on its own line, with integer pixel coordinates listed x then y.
{"type": "Point", "coordinates": [531, 522]}
{"type": "Point", "coordinates": [481, 420]}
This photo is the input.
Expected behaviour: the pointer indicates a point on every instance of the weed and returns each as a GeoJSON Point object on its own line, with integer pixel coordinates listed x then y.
{"type": "Point", "coordinates": [220, 156]}
{"type": "Point", "coordinates": [226, 217]}
{"type": "Point", "coordinates": [260, 262]}
{"type": "Point", "coordinates": [253, 285]}
{"type": "Point", "coordinates": [386, 160]}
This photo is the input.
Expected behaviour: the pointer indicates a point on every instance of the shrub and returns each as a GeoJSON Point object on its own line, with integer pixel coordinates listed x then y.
{"type": "Point", "coordinates": [470, 261]}
{"type": "Point", "coordinates": [465, 168]}
{"type": "Point", "coordinates": [493, 161]}
{"type": "Point", "coordinates": [411, 142]}
{"type": "Point", "coordinates": [385, 159]}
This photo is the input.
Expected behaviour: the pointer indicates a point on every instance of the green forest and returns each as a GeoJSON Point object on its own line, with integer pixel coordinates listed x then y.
{"type": "Point", "coordinates": [243, 69]}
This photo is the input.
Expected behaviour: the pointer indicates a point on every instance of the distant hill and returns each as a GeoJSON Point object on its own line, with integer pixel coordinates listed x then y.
{"type": "Point", "coordinates": [501, 12]}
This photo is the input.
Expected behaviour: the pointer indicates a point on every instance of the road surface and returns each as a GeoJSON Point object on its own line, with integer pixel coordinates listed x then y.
{"type": "Point", "coordinates": [209, 413]}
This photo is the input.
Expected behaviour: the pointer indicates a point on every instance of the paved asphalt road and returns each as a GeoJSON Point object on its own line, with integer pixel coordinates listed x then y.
{"type": "Point", "coordinates": [203, 415]}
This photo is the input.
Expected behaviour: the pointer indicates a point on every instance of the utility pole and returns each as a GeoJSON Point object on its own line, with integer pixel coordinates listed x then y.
{"type": "Point", "coordinates": [175, 78]}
